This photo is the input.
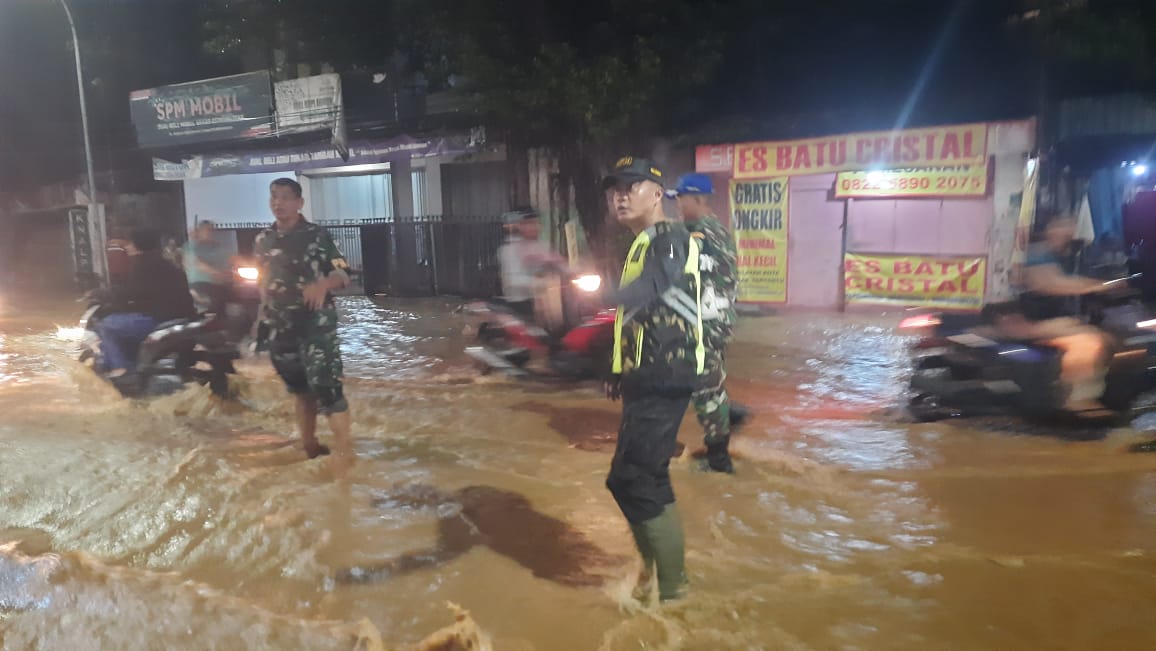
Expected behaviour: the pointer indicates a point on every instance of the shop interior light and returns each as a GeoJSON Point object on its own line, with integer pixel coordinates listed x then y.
{"type": "Point", "coordinates": [1139, 170]}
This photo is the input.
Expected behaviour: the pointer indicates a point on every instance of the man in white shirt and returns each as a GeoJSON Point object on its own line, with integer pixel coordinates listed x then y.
{"type": "Point", "coordinates": [521, 258]}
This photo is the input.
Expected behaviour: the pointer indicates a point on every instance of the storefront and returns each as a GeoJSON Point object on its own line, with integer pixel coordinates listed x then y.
{"type": "Point", "coordinates": [1103, 172]}
{"type": "Point", "coordinates": [393, 204]}
{"type": "Point", "coordinates": [913, 217]}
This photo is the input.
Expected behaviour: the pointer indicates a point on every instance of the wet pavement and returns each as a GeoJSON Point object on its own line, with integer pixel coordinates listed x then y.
{"type": "Point", "coordinates": [186, 524]}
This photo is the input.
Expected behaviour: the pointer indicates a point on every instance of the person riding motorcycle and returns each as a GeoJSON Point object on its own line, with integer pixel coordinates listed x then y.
{"type": "Point", "coordinates": [154, 292]}
{"type": "Point", "coordinates": [1048, 307]}
{"type": "Point", "coordinates": [534, 278]}
{"type": "Point", "coordinates": [521, 257]}
{"type": "Point", "coordinates": [207, 266]}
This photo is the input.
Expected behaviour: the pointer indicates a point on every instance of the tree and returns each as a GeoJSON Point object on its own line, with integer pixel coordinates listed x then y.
{"type": "Point", "coordinates": [589, 83]}
{"type": "Point", "coordinates": [1085, 47]}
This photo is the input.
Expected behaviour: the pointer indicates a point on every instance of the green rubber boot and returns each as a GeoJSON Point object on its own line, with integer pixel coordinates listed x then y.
{"type": "Point", "coordinates": [644, 585]}
{"type": "Point", "coordinates": [664, 534]}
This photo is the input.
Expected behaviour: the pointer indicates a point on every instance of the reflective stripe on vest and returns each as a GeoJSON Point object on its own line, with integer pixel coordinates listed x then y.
{"type": "Point", "coordinates": [686, 306]}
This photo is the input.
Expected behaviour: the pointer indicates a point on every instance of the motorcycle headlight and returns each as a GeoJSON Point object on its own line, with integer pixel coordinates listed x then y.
{"type": "Point", "coordinates": [248, 273]}
{"type": "Point", "coordinates": [588, 283]}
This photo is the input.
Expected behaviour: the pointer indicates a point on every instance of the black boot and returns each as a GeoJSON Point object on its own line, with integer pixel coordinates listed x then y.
{"type": "Point", "coordinates": [717, 458]}
{"type": "Point", "coordinates": [739, 415]}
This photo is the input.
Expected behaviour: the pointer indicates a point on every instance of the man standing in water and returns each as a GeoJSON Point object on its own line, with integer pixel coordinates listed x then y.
{"type": "Point", "coordinates": [719, 290]}
{"type": "Point", "coordinates": [300, 268]}
{"type": "Point", "coordinates": [658, 362]}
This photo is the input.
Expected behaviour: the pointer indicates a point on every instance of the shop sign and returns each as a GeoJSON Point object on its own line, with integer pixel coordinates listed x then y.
{"type": "Point", "coordinates": [308, 104]}
{"type": "Point", "coordinates": [930, 147]}
{"type": "Point", "coordinates": [759, 221]}
{"type": "Point", "coordinates": [915, 280]}
{"type": "Point", "coordinates": [321, 155]}
{"type": "Point", "coordinates": [226, 108]}
{"type": "Point", "coordinates": [80, 233]}
{"type": "Point", "coordinates": [714, 159]}
{"type": "Point", "coordinates": [958, 181]}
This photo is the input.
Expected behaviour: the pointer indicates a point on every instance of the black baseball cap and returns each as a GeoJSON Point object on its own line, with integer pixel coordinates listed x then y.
{"type": "Point", "coordinates": [631, 170]}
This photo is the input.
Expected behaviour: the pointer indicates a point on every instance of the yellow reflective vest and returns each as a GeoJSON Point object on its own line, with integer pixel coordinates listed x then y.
{"type": "Point", "coordinates": [660, 346]}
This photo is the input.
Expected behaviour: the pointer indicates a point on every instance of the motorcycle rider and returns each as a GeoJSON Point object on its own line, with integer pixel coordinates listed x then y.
{"type": "Point", "coordinates": [658, 362]}
{"type": "Point", "coordinates": [520, 257]}
{"type": "Point", "coordinates": [718, 268]}
{"type": "Point", "coordinates": [1048, 309]}
{"type": "Point", "coordinates": [206, 264]}
{"type": "Point", "coordinates": [154, 292]}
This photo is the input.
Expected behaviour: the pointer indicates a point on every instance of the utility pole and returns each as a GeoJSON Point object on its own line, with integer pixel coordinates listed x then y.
{"type": "Point", "coordinates": [94, 222]}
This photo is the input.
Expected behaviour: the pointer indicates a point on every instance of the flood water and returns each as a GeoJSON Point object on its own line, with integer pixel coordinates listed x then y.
{"type": "Point", "coordinates": [183, 524]}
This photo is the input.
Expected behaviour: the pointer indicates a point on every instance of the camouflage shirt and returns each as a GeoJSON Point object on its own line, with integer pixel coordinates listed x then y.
{"type": "Point", "coordinates": [289, 261]}
{"type": "Point", "coordinates": [719, 271]}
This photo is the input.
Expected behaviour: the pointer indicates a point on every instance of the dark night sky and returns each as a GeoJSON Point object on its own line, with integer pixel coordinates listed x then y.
{"type": "Point", "coordinates": [800, 68]}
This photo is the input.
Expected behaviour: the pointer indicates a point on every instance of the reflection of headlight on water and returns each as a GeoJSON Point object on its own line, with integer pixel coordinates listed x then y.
{"type": "Point", "coordinates": [248, 273]}
{"type": "Point", "coordinates": [588, 283]}
{"type": "Point", "coordinates": [73, 334]}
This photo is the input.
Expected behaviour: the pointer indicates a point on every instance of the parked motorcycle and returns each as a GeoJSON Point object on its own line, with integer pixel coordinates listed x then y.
{"type": "Point", "coordinates": [962, 368]}
{"type": "Point", "coordinates": [577, 339]}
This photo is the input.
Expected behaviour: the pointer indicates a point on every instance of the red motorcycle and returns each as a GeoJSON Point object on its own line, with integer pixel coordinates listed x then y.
{"type": "Point", "coordinates": [573, 331]}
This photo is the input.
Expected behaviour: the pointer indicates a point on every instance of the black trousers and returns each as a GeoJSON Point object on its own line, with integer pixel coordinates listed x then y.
{"type": "Point", "coordinates": [639, 476]}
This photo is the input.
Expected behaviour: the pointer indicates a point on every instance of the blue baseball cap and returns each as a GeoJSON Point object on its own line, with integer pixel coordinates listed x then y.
{"type": "Point", "coordinates": [692, 184]}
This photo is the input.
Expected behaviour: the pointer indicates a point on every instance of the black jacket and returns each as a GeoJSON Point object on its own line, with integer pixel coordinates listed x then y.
{"type": "Point", "coordinates": [157, 288]}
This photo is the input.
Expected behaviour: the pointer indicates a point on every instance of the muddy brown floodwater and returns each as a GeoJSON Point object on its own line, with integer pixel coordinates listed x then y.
{"type": "Point", "coordinates": [182, 524]}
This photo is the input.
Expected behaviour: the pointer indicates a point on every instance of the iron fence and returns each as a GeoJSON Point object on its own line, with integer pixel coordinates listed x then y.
{"type": "Point", "coordinates": [428, 255]}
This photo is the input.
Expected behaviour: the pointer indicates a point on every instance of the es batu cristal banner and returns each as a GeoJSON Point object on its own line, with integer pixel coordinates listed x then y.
{"type": "Point", "coordinates": [759, 222]}
{"type": "Point", "coordinates": [915, 280]}
{"type": "Point", "coordinates": [964, 144]}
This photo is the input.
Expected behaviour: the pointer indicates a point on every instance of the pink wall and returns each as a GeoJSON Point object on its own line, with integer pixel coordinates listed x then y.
{"type": "Point", "coordinates": [815, 242]}
{"type": "Point", "coordinates": [925, 226]}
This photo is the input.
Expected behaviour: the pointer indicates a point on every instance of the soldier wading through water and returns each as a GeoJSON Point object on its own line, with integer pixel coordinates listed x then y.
{"type": "Point", "coordinates": [300, 268]}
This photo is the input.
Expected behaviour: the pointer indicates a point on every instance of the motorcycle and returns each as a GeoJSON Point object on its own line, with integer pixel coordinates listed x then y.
{"type": "Point", "coordinates": [577, 338]}
{"type": "Point", "coordinates": [182, 351]}
{"type": "Point", "coordinates": [962, 367]}
{"type": "Point", "coordinates": [240, 300]}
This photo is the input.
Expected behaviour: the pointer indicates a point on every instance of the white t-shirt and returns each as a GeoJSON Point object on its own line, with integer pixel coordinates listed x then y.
{"type": "Point", "coordinates": [520, 260]}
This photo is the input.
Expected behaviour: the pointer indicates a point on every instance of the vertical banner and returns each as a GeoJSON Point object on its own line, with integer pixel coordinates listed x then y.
{"type": "Point", "coordinates": [759, 221]}
{"type": "Point", "coordinates": [1027, 210]}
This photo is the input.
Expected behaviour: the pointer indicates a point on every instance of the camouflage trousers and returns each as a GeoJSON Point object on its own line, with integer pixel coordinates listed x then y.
{"type": "Point", "coordinates": [711, 402]}
{"type": "Point", "coordinates": [309, 363]}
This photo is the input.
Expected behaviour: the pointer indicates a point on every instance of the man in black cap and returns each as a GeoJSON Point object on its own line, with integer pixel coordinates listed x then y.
{"type": "Point", "coordinates": [657, 364]}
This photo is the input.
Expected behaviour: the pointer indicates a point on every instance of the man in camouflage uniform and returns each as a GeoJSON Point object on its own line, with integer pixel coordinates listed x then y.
{"type": "Point", "coordinates": [300, 268]}
{"type": "Point", "coordinates": [718, 268]}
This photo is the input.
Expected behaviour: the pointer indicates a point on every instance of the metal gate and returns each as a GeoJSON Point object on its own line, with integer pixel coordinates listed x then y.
{"type": "Point", "coordinates": [412, 256]}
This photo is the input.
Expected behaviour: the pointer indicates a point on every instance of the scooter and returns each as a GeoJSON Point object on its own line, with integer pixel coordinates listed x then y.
{"type": "Point", "coordinates": [578, 347]}
{"type": "Point", "coordinates": [182, 351]}
{"type": "Point", "coordinates": [962, 368]}
{"type": "Point", "coordinates": [174, 354]}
